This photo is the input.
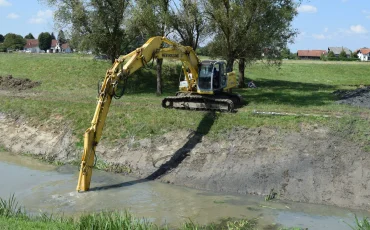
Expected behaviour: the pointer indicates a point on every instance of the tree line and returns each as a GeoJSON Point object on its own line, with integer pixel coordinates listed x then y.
{"type": "Point", "coordinates": [239, 31]}
{"type": "Point", "coordinates": [13, 41]}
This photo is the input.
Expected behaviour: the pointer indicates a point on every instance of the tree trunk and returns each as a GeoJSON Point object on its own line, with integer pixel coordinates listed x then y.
{"type": "Point", "coordinates": [159, 76]}
{"type": "Point", "coordinates": [230, 64]}
{"type": "Point", "coordinates": [241, 72]}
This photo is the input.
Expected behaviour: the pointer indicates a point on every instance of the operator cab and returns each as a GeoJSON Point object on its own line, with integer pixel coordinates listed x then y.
{"type": "Point", "coordinates": [212, 76]}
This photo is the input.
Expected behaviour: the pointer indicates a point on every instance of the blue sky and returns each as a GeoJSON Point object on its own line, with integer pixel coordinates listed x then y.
{"type": "Point", "coordinates": [321, 23]}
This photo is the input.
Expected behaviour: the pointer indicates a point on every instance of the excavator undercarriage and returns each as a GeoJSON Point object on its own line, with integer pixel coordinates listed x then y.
{"type": "Point", "coordinates": [225, 102]}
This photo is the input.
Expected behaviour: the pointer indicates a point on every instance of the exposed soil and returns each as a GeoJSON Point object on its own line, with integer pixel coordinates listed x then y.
{"type": "Point", "coordinates": [11, 83]}
{"type": "Point", "coordinates": [358, 97]}
{"type": "Point", "coordinates": [310, 165]}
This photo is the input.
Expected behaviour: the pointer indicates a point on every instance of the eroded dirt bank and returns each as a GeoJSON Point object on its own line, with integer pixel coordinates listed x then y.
{"type": "Point", "coordinates": [310, 165]}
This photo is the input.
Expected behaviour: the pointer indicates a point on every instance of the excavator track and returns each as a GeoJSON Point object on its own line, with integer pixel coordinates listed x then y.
{"type": "Point", "coordinates": [224, 103]}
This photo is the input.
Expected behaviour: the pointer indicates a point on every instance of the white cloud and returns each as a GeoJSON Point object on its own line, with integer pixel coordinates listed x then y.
{"type": "Point", "coordinates": [358, 29]}
{"type": "Point", "coordinates": [367, 13]}
{"type": "Point", "coordinates": [45, 14]}
{"type": "Point", "coordinates": [12, 16]}
{"type": "Point", "coordinates": [307, 9]}
{"type": "Point", "coordinates": [41, 17]}
{"type": "Point", "coordinates": [4, 3]}
{"type": "Point", "coordinates": [326, 29]}
{"type": "Point", "coordinates": [318, 36]}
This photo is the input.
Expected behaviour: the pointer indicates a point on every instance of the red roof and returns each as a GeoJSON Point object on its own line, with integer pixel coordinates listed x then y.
{"type": "Point", "coordinates": [54, 43]}
{"type": "Point", "coordinates": [311, 53]}
{"type": "Point", "coordinates": [65, 46]}
{"type": "Point", "coordinates": [364, 51]}
{"type": "Point", "coordinates": [31, 43]}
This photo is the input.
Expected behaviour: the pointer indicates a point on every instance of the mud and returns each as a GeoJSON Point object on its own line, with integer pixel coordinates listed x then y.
{"type": "Point", "coordinates": [358, 97]}
{"type": "Point", "coordinates": [11, 83]}
{"type": "Point", "coordinates": [311, 165]}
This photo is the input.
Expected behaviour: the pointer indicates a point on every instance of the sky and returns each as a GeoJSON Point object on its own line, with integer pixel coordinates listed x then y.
{"type": "Point", "coordinates": [321, 23]}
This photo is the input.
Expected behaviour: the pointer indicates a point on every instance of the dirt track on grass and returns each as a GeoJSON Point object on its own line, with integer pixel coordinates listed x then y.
{"type": "Point", "coordinates": [310, 165]}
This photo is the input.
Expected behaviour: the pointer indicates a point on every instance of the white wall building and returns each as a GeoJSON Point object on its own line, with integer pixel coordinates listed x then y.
{"type": "Point", "coordinates": [363, 54]}
{"type": "Point", "coordinates": [32, 46]}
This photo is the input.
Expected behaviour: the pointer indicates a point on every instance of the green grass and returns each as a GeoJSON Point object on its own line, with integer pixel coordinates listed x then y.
{"type": "Point", "coordinates": [69, 89]}
{"type": "Point", "coordinates": [363, 224]}
{"type": "Point", "coordinates": [13, 216]}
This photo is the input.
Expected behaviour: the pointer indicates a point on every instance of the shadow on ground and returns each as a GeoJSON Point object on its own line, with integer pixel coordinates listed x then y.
{"type": "Point", "coordinates": [178, 157]}
{"type": "Point", "coordinates": [288, 93]}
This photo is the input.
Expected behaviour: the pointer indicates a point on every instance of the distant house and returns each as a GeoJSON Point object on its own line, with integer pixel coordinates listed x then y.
{"type": "Point", "coordinates": [363, 54]}
{"type": "Point", "coordinates": [310, 54]}
{"type": "Point", "coordinates": [338, 50]}
{"type": "Point", "coordinates": [32, 46]}
{"type": "Point", "coordinates": [54, 46]}
{"type": "Point", "coordinates": [66, 48]}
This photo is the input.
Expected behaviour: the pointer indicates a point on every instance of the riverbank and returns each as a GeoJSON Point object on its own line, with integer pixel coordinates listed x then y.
{"type": "Point", "coordinates": [316, 153]}
{"type": "Point", "coordinates": [312, 164]}
{"type": "Point", "coordinates": [47, 193]}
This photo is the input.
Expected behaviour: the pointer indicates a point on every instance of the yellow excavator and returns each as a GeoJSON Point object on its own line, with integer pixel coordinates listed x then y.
{"type": "Point", "coordinates": [207, 86]}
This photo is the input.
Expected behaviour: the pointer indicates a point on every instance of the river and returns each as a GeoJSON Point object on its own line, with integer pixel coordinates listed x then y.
{"type": "Point", "coordinates": [41, 187]}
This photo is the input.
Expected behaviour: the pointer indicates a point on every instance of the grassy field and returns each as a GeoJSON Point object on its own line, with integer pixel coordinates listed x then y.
{"type": "Point", "coordinates": [69, 89]}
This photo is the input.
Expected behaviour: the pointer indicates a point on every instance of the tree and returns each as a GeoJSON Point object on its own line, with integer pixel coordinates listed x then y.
{"type": "Point", "coordinates": [188, 23]}
{"type": "Point", "coordinates": [285, 53]}
{"type": "Point", "coordinates": [95, 24]}
{"type": "Point", "coordinates": [14, 41]}
{"type": "Point", "coordinates": [331, 54]}
{"type": "Point", "coordinates": [44, 41]}
{"type": "Point", "coordinates": [29, 36]}
{"type": "Point", "coordinates": [1, 38]}
{"type": "Point", "coordinates": [61, 37]}
{"type": "Point", "coordinates": [52, 35]}
{"type": "Point", "coordinates": [247, 29]}
{"type": "Point", "coordinates": [343, 54]}
{"type": "Point", "coordinates": [354, 55]}
{"type": "Point", "coordinates": [151, 18]}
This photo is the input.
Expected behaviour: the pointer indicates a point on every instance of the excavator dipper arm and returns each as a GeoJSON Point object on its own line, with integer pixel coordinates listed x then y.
{"type": "Point", "coordinates": [113, 83]}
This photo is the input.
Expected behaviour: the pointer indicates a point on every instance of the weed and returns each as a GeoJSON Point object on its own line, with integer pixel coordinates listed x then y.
{"type": "Point", "coordinates": [10, 208]}
{"type": "Point", "coordinates": [271, 195]}
{"type": "Point", "coordinates": [363, 224]}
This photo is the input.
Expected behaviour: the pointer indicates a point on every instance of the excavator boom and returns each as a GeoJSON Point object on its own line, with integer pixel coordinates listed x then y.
{"type": "Point", "coordinates": [202, 89]}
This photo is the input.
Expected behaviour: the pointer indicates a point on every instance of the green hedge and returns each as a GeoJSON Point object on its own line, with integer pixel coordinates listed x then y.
{"type": "Point", "coordinates": [341, 59]}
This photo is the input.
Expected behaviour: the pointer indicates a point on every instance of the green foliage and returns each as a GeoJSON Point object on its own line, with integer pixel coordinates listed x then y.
{"type": "Point", "coordinates": [52, 35]}
{"type": "Point", "coordinates": [44, 41]}
{"type": "Point", "coordinates": [354, 55]}
{"type": "Point", "coordinates": [331, 54]}
{"type": "Point", "coordinates": [2, 38]}
{"type": "Point", "coordinates": [343, 54]}
{"type": "Point", "coordinates": [249, 27]}
{"type": "Point", "coordinates": [96, 25]}
{"type": "Point", "coordinates": [2, 48]}
{"type": "Point", "coordinates": [363, 224]}
{"type": "Point", "coordinates": [285, 53]}
{"type": "Point", "coordinates": [10, 208]}
{"type": "Point", "coordinates": [188, 23]}
{"type": "Point", "coordinates": [14, 42]}
{"type": "Point", "coordinates": [342, 59]}
{"type": "Point", "coordinates": [323, 57]}
{"type": "Point", "coordinates": [61, 37]}
{"type": "Point", "coordinates": [113, 220]}
{"type": "Point", "coordinates": [29, 36]}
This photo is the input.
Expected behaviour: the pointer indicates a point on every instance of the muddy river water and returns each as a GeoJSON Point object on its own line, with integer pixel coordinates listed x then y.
{"type": "Point", "coordinates": [42, 187]}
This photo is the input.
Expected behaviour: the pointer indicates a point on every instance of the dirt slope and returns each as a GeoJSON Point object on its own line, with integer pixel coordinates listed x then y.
{"type": "Point", "coordinates": [310, 165]}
